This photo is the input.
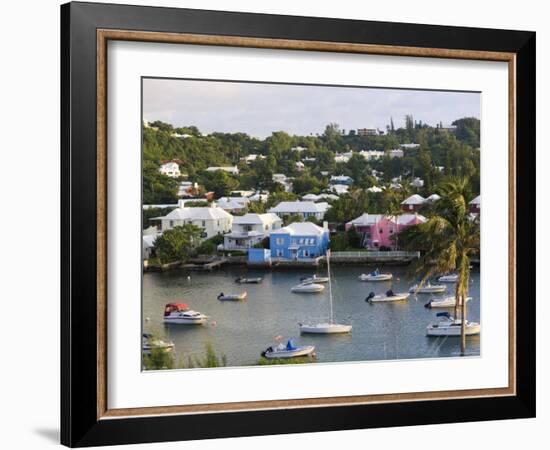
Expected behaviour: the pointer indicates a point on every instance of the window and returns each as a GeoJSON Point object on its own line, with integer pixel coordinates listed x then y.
{"type": "Point", "coordinates": [381, 231]}
{"type": "Point", "coordinates": [312, 241]}
{"type": "Point", "coordinates": [301, 241]}
{"type": "Point", "coordinates": [171, 224]}
{"type": "Point", "coordinates": [306, 253]}
{"type": "Point", "coordinates": [204, 223]}
{"type": "Point", "coordinates": [279, 241]}
{"type": "Point", "coordinates": [279, 253]}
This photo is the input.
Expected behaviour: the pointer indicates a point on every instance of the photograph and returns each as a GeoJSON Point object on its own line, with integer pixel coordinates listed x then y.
{"type": "Point", "coordinates": [308, 224]}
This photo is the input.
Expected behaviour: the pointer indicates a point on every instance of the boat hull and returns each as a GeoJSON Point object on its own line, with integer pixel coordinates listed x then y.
{"type": "Point", "coordinates": [325, 328]}
{"type": "Point", "coordinates": [429, 290]}
{"type": "Point", "coordinates": [311, 288]}
{"type": "Point", "coordinates": [285, 354]}
{"type": "Point", "coordinates": [314, 280]}
{"type": "Point", "coordinates": [232, 298]}
{"type": "Point", "coordinates": [185, 320]}
{"type": "Point", "coordinates": [448, 279]}
{"type": "Point", "coordinates": [472, 329]}
{"type": "Point", "coordinates": [394, 298]}
{"type": "Point", "coordinates": [381, 277]}
{"type": "Point", "coordinates": [448, 302]}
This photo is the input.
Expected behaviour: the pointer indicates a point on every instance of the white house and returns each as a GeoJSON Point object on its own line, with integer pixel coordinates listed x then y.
{"type": "Point", "coordinates": [170, 169]}
{"type": "Point", "coordinates": [410, 146]}
{"type": "Point", "coordinates": [371, 154]}
{"type": "Point", "coordinates": [283, 180]}
{"type": "Point", "coordinates": [396, 153]}
{"type": "Point", "coordinates": [413, 203]}
{"type": "Point", "coordinates": [339, 189]}
{"type": "Point", "coordinates": [259, 197]}
{"type": "Point", "coordinates": [211, 220]}
{"type": "Point", "coordinates": [315, 198]}
{"type": "Point", "coordinates": [187, 189]}
{"type": "Point", "coordinates": [375, 189]}
{"type": "Point", "coordinates": [433, 198]}
{"type": "Point", "coordinates": [298, 149]}
{"type": "Point", "coordinates": [343, 157]}
{"type": "Point", "coordinates": [250, 229]}
{"type": "Point", "coordinates": [417, 182]}
{"type": "Point", "coordinates": [233, 170]}
{"type": "Point", "coordinates": [302, 209]}
{"type": "Point", "coordinates": [299, 166]}
{"type": "Point", "coordinates": [251, 158]}
{"type": "Point", "coordinates": [233, 204]}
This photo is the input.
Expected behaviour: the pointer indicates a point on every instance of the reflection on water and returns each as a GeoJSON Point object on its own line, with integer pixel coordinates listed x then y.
{"type": "Point", "coordinates": [242, 330]}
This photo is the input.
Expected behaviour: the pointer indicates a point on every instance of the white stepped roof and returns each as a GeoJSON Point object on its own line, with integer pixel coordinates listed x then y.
{"type": "Point", "coordinates": [256, 219]}
{"type": "Point", "coordinates": [301, 228]}
{"type": "Point", "coordinates": [300, 207]}
{"type": "Point", "coordinates": [366, 219]}
{"type": "Point", "coordinates": [476, 201]}
{"type": "Point", "coordinates": [414, 200]}
{"type": "Point", "coordinates": [198, 213]}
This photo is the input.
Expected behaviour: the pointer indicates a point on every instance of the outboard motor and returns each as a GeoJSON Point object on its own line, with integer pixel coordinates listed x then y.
{"type": "Point", "coordinates": [428, 305]}
{"type": "Point", "coordinates": [369, 297]}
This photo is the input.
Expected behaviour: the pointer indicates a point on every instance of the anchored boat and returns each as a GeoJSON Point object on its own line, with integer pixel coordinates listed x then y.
{"type": "Point", "coordinates": [445, 302]}
{"type": "Point", "coordinates": [232, 297]}
{"type": "Point", "coordinates": [307, 288]}
{"type": "Point", "coordinates": [448, 326]}
{"type": "Point", "coordinates": [314, 279]}
{"type": "Point", "coordinates": [150, 343]}
{"type": "Point", "coordinates": [244, 280]}
{"type": "Point", "coordinates": [326, 327]}
{"type": "Point", "coordinates": [179, 313]}
{"type": "Point", "coordinates": [449, 278]}
{"type": "Point", "coordinates": [428, 289]}
{"type": "Point", "coordinates": [375, 276]}
{"type": "Point", "coordinates": [389, 296]}
{"type": "Point", "coordinates": [289, 350]}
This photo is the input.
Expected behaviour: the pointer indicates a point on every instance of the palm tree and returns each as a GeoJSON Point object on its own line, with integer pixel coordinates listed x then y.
{"type": "Point", "coordinates": [447, 240]}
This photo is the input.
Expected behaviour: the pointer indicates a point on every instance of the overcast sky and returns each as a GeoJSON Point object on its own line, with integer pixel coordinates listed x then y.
{"type": "Point", "coordinates": [259, 109]}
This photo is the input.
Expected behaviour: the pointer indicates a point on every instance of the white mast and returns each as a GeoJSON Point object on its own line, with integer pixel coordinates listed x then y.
{"type": "Point", "coordinates": [329, 286]}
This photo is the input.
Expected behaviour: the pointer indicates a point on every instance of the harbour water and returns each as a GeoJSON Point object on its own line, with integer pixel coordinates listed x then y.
{"type": "Point", "coordinates": [242, 330]}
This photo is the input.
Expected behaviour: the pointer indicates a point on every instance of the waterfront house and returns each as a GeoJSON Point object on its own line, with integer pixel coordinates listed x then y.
{"type": "Point", "coordinates": [299, 240]}
{"type": "Point", "coordinates": [250, 229]}
{"type": "Point", "coordinates": [211, 220]}
{"type": "Point", "coordinates": [413, 203]}
{"type": "Point", "coordinates": [304, 210]}
{"type": "Point", "coordinates": [233, 170]}
{"type": "Point", "coordinates": [377, 230]}
{"type": "Point", "coordinates": [475, 205]}
{"type": "Point", "coordinates": [170, 169]}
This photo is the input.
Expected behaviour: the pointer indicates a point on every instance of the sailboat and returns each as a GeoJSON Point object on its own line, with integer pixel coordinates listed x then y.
{"type": "Point", "coordinates": [329, 327]}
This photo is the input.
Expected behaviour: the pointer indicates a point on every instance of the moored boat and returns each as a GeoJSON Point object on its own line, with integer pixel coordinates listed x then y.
{"type": "Point", "coordinates": [389, 296]}
{"type": "Point", "coordinates": [449, 326]}
{"type": "Point", "coordinates": [244, 280]}
{"type": "Point", "coordinates": [449, 278]}
{"type": "Point", "coordinates": [179, 313]}
{"type": "Point", "coordinates": [308, 288]}
{"type": "Point", "coordinates": [314, 279]}
{"type": "Point", "coordinates": [289, 350]}
{"type": "Point", "coordinates": [232, 297]}
{"type": "Point", "coordinates": [375, 276]}
{"type": "Point", "coordinates": [428, 289]}
{"type": "Point", "coordinates": [150, 343]}
{"type": "Point", "coordinates": [445, 302]}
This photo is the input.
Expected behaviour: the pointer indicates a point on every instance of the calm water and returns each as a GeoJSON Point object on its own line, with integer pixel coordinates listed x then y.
{"type": "Point", "coordinates": [242, 330]}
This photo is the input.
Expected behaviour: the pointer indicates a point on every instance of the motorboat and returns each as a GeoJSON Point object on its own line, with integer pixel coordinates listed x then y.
{"type": "Point", "coordinates": [326, 327]}
{"type": "Point", "coordinates": [232, 297]}
{"type": "Point", "coordinates": [314, 279]}
{"type": "Point", "coordinates": [448, 326]}
{"type": "Point", "coordinates": [179, 313]}
{"type": "Point", "coordinates": [375, 276]}
{"type": "Point", "coordinates": [449, 278]}
{"type": "Point", "coordinates": [307, 288]}
{"type": "Point", "coordinates": [389, 296]}
{"type": "Point", "coordinates": [428, 289]}
{"type": "Point", "coordinates": [289, 350]}
{"type": "Point", "coordinates": [243, 280]}
{"type": "Point", "coordinates": [150, 343]}
{"type": "Point", "coordinates": [445, 302]}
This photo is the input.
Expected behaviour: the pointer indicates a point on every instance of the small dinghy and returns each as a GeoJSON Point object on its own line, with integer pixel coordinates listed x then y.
{"type": "Point", "coordinates": [179, 313]}
{"type": "Point", "coordinates": [389, 296]}
{"type": "Point", "coordinates": [314, 279]}
{"type": "Point", "coordinates": [375, 276]}
{"type": "Point", "coordinates": [449, 278]}
{"type": "Point", "coordinates": [150, 343]}
{"type": "Point", "coordinates": [232, 297]}
{"type": "Point", "coordinates": [289, 350]}
{"type": "Point", "coordinates": [428, 289]}
{"type": "Point", "coordinates": [244, 280]}
{"type": "Point", "coordinates": [445, 302]}
{"type": "Point", "coordinates": [448, 326]}
{"type": "Point", "coordinates": [307, 288]}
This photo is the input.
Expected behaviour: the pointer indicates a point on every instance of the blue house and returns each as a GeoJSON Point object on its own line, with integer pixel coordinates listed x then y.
{"type": "Point", "coordinates": [300, 240]}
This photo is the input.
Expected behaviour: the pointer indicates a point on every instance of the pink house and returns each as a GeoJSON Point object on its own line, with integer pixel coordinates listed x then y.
{"type": "Point", "coordinates": [378, 229]}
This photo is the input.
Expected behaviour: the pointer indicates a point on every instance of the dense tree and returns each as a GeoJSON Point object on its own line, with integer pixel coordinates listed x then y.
{"type": "Point", "coordinates": [178, 243]}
